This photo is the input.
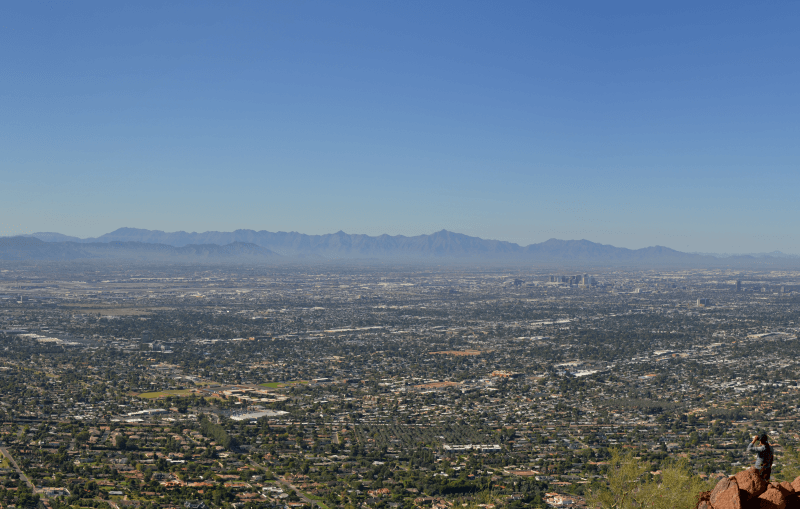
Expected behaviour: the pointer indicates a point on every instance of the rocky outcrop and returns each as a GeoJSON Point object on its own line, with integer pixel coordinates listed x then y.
{"type": "Point", "coordinates": [751, 485]}
{"type": "Point", "coordinates": [747, 490]}
{"type": "Point", "coordinates": [726, 495]}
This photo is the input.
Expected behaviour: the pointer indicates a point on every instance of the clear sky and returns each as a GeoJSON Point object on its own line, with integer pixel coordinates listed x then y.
{"type": "Point", "coordinates": [631, 124]}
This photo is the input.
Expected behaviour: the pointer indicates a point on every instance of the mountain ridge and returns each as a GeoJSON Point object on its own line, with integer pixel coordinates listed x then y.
{"type": "Point", "coordinates": [294, 239]}
{"type": "Point", "coordinates": [277, 247]}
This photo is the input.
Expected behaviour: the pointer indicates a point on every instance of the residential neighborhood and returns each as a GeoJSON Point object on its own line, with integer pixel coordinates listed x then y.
{"type": "Point", "coordinates": [277, 387]}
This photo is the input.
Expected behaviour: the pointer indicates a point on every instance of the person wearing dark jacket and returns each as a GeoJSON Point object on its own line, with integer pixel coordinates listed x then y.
{"type": "Point", "coordinates": [763, 464]}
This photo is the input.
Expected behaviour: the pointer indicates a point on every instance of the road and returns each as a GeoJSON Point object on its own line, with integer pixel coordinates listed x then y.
{"type": "Point", "coordinates": [19, 470]}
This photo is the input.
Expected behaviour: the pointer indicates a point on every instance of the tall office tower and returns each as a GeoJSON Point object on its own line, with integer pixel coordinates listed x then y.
{"type": "Point", "coordinates": [738, 285]}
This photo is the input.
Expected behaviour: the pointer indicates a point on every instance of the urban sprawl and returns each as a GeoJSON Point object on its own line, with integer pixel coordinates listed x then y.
{"type": "Point", "coordinates": [375, 386]}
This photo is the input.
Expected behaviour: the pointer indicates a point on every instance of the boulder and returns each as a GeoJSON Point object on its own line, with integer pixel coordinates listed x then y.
{"type": "Point", "coordinates": [772, 498]}
{"type": "Point", "coordinates": [785, 487]}
{"type": "Point", "coordinates": [750, 483]}
{"type": "Point", "coordinates": [725, 495]}
{"type": "Point", "coordinates": [796, 485]}
{"type": "Point", "coordinates": [793, 497]}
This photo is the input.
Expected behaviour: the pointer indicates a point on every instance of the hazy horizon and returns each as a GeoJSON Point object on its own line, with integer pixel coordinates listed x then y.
{"type": "Point", "coordinates": [717, 254]}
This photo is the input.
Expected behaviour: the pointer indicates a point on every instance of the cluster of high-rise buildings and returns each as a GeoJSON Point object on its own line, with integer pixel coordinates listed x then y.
{"type": "Point", "coordinates": [782, 289]}
{"type": "Point", "coordinates": [582, 280]}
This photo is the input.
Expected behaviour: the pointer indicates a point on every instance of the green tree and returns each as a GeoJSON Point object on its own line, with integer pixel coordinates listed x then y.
{"type": "Point", "coordinates": [790, 465]}
{"type": "Point", "coordinates": [630, 485]}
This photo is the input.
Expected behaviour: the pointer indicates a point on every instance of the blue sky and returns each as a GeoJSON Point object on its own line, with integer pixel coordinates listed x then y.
{"type": "Point", "coordinates": [631, 124]}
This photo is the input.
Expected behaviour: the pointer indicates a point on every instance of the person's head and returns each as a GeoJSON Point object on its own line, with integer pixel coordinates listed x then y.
{"type": "Point", "coordinates": [764, 439]}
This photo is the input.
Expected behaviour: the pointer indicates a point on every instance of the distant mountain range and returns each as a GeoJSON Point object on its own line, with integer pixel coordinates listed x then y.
{"type": "Point", "coordinates": [250, 246]}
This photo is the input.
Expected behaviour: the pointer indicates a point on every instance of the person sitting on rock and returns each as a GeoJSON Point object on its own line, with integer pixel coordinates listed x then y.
{"type": "Point", "coordinates": [764, 456]}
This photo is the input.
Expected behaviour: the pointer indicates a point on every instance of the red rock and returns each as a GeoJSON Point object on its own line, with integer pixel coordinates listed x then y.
{"type": "Point", "coordinates": [785, 487]}
{"type": "Point", "coordinates": [772, 498]}
{"type": "Point", "coordinates": [725, 495]}
{"type": "Point", "coordinates": [721, 486]}
{"type": "Point", "coordinates": [796, 485]}
{"type": "Point", "coordinates": [751, 484]}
